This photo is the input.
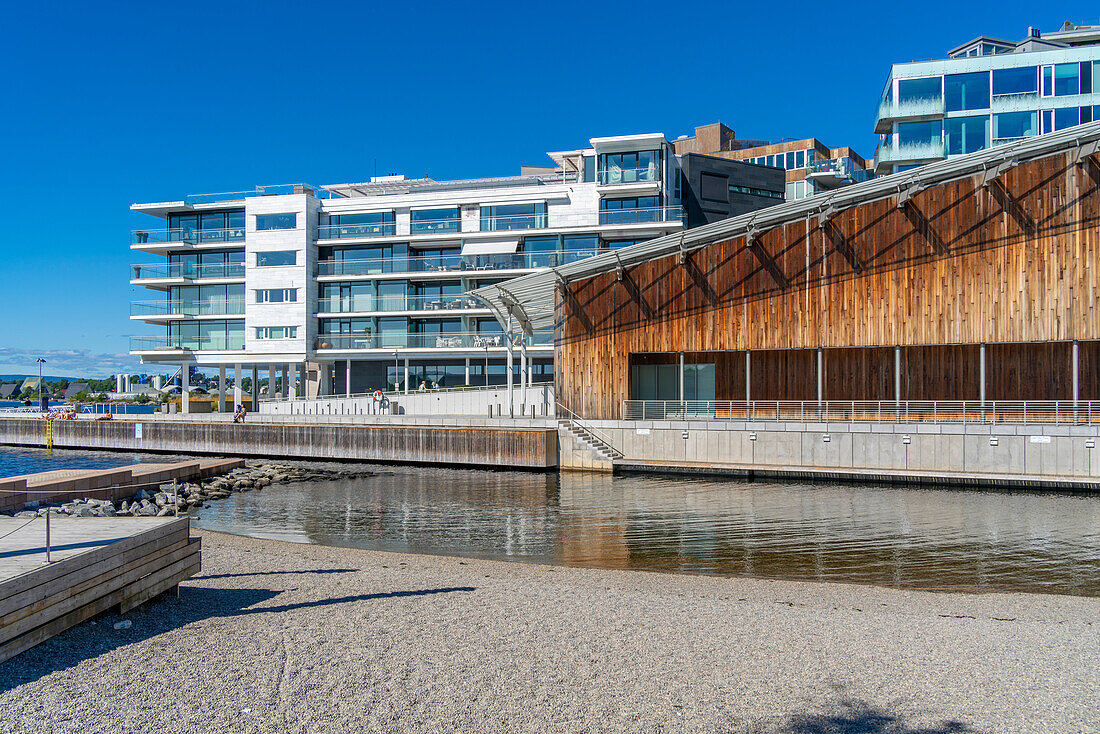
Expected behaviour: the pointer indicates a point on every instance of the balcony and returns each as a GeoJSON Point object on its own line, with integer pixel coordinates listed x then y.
{"type": "Point", "coordinates": [455, 340]}
{"type": "Point", "coordinates": [916, 107]}
{"type": "Point", "coordinates": [642, 216]}
{"type": "Point", "coordinates": [357, 231]}
{"type": "Point", "coordinates": [435, 226]}
{"type": "Point", "coordinates": [513, 222]}
{"type": "Point", "coordinates": [910, 152]}
{"type": "Point", "coordinates": [368, 303]}
{"type": "Point", "coordinates": [452, 263]}
{"type": "Point", "coordinates": [188, 271]}
{"type": "Point", "coordinates": [1021, 102]}
{"type": "Point", "coordinates": [214, 307]}
{"type": "Point", "coordinates": [186, 344]}
{"type": "Point", "coordinates": [186, 236]}
{"type": "Point", "coordinates": [614, 176]}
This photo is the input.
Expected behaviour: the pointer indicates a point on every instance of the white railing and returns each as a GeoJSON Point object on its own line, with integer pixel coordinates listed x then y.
{"type": "Point", "coordinates": [186, 236]}
{"type": "Point", "coordinates": [1084, 412]}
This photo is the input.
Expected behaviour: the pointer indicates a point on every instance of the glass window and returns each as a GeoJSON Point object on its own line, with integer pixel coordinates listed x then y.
{"type": "Point", "coordinates": [630, 210]}
{"type": "Point", "coordinates": [1048, 81]}
{"type": "Point", "coordinates": [580, 242]}
{"type": "Point", "coordinates": [540, 244]}
{"type": "Point", "coordinates": [914, 90]}
{"type": "Point", "coordinates": [1009, 125]}
{"type": "Point", "coordinates": [276, 332]}
{"type": "Point", "coordinates": [503, 217]}
{"type": "Point", "coordinates": [358, 225]}
{"type": "Point", "coordinates": [1024, 80]}
{"type": "Point", "coordinates": [434, 220]}
{"type": "Point", "coordinates": [1086, 115]}
{"type": "Point", "coordinates": [277, 295]}
{"type": "Point", "coordinates": [276, 221]}
{"type": "Point", "coordinates": [966, 91]}
{"type": "Point", "coordinates": [966, 134]}
{"type": "Point", "coordinates": [1046, 117]}
{"type": "Point", "coordinates": [589, 168]}
{"type": "Point", "coordinates": [919, 133]}
{"type": "Point", "coordinates": [1086, 77]}
{"type": "Point", "coordinates": [1067, 79]}
{"type": "Point", "coordinates": [393, 332]}
{"type": "Point", "coordinates": [1066, 117]}
{"type": "Point", "coordinates": [276, 258]}
{"type": "Point", "coordinates": [712, 187]}
{"type": "Point", "coordinates": [616, 168]}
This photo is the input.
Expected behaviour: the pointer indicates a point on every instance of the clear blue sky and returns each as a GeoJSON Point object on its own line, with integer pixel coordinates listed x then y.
{"type": "Point", "coordinates": [107, 104]}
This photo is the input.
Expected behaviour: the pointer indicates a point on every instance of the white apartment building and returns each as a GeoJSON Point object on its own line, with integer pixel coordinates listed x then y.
{"type": "Point", "coordinates": [353, 287]}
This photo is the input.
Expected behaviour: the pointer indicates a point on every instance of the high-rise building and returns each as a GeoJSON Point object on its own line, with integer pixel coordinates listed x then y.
{"type": "Point", "coordinates": [809, 165]}
{"type": "Point", "coordinates": [363, 286]}
{"type": "Point", "coordinates": [987, 91]}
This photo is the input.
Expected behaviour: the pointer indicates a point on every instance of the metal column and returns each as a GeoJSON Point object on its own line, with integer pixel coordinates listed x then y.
{"type": "Point", "coordinates": [681, 377]}
{"type": "Point", "coordinates": [221, 388]}
{"type": "Point", "coordinates": [508, 368]}
{"type": "Point", "coordinates": [406, 375]}
{"type": "Point", "coordinates": [748, 377]}
{"type": "Point", "coordinates": [254, 393]}
{"type": "Point", "coordinates": [467, 371]}
{"type": "Point", "coordinates": [236, 386]}
{"type": "Point", "coordinates": [981, 378]}
{"type": "Point", "coordinates": [1076, 378]}
{"type": "Point", "coordinates": [185, 387]}
{"type": "Point", "coordinates": [897, 377]}
{"type": "Point", "coordinates": [347, 377]}
{"type": "Point", "coordinates": [270, 381]}
{"type": "Point", "coordinates": [820, 374]}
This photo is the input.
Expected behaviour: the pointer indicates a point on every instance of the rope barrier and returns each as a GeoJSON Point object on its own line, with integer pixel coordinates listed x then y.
{"type": "Point", "coordinates": [13, 532]}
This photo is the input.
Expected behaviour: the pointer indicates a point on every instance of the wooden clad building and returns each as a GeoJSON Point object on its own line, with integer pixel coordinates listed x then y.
{"type": "Point", "coordinates": [889, 292]}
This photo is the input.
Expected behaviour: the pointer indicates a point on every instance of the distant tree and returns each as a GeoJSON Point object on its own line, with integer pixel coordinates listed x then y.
{"type": "Point", "coordinates": [102, 397]}
{"type": "Point", "coordinates": [142, 399]}
{"type": "Point", "coordinates": [81, 396]}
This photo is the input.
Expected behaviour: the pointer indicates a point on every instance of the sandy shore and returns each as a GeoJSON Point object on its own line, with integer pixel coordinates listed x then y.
{"type": "Point", "coordinates": [277, 637]}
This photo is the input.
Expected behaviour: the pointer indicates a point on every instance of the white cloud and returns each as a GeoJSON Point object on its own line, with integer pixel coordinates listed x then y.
{"type": "Point", "coordinates": [69, 362]}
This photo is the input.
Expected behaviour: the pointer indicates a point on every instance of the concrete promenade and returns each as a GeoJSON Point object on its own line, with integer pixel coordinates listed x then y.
{"type": "Point", "coordinates": [277, 637]}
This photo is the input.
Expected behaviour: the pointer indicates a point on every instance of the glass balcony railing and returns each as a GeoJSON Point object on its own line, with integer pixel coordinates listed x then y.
{"type": "Point", "coordinates": [188, 270]}
{"type": "Point", "coordinates": [186, 236]}
{"type": "Point", "coordinates": [344, 231]}
{"type": "Point", "coordinates": [434, 226]}
{"type": "Point", "coordinates": [452, 263]}
{"type": "Point", "coordinates": [931, 150]}
{"type": "Point", "coordinates": [645, 174]}
{"type": "Point", "coordinates": [230, 343]}
{"type": "Point", "coordinates": [912, 107]}
{"type": "Point", "coordinates": [513, 222]}
{"type": "Point", "coordinates": [642, 216]}
{"type": "Point", "coordinates": [453, 340]}
{"type": "Point", "coordinates": [218, 307]}
{"type": "Point", "coordinates": [365, 303]}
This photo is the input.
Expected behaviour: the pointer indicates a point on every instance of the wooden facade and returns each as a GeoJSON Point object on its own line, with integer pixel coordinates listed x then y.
{"type": "Point", "coordinates": [1011, 264]}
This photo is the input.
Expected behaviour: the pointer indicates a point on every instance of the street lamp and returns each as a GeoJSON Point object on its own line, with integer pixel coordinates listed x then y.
{"type": "Point", "coordinates": [40, 363]}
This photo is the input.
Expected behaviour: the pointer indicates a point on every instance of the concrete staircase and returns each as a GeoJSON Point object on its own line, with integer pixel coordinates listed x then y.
{"type": "Point", "coordinates": [580, 449]}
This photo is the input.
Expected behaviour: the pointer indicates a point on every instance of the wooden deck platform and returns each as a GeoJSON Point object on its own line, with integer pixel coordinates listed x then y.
{"type": "Point", "coordinates": [97, 564]}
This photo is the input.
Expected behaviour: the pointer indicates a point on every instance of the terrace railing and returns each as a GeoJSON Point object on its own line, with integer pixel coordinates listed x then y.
{"type": "Point", "coordinates": [186, 344]}
{"type": "Point", "coordinates": [452, 263]}
{"type": "Point", "coordinates": [889, 411]}
{"type": "Point", "coordinates": [213, 307]}
{"type": "Point", "coordinates": [186, 236]}
{"type": "Point", "coordinates": [452, 340]}
{"type": "Point", "coordinates": [343, 231]}
{"type": "Point", "coordinates": [367, 303]}
{"type": "Point", "coordinates": [188, 270]}
{"type": "Point", "coordinates": [642, 216]}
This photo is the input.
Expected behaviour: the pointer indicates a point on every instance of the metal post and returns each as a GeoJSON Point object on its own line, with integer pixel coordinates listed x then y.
{"type": "Point", "coordinates": [406, 375]}
{"type": "Point", "coordinates": [981, 378]}
{"type": "Point", "coordinates": [820, 379]}
{"type": "Point", "coordinates": [486, 366]}
{"type": "Point", "coordinates": [176, 496]}
{"type": "Point", "coordinates": [347, 377]}
{"type": "Point", "coordinates": [185, 388]}
{"type": "Point", "coordinates": [396, 370]}
{"type": "Point", "coordinates": [221, 388]}
{"type": "Point", "coordinates": [236, 386]}
{"type": "Point", "coordinates": [748, 384]}
{"type": "Point", "coordinates": [270, 381]}
{"type": "Point", "coordinates": [681, 377]}
{"type": "Point", "coordinates": [467, 372]}
{"type": "Point", "coordinates": [508, 368]}
{"type": "Point", "coordinates": [897, 377]}
{"type": "Point", "coordinates": [1076, 378]}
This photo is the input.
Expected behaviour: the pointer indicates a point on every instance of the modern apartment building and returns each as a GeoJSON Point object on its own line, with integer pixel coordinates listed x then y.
{"type": "Point", "coordinates": [987, 92]}
{"type": "Point", "coordinates": [810, 167]}
{"type": "Point", "coordinates": [363, 286]}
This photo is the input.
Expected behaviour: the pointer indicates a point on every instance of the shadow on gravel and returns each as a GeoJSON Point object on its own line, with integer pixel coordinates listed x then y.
{"type": "Point", "coordinates": [273, 573]}
{"type": "Point", "coordinates": [857, 717]}
{"type": "Point", "coordinates": [166, 614]}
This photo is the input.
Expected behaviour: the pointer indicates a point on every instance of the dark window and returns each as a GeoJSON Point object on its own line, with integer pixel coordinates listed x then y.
{"type": "Point", "coordinates": [966, 91]}
{"type": "Point", "coordinates": [713, 187]}
{"type": "Point", "coordinates": [1015, 81]}
{"type": "Point", "coordinates": [276, 221]}
{"type": "Point", "coordinates": [276, 258]}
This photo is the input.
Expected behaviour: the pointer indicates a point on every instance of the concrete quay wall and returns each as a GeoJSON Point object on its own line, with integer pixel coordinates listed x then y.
{"type": "Point", "coordinates": [943, 453]}
{"type": "Point", "coordinates": [499, 446]}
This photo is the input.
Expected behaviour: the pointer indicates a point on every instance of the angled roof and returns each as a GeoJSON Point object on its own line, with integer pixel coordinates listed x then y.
{"type": "Point", "coordinates": [530, 299]}
{"type": "Point", "coordinates": [6, 391]}
{"type": "Point", "coordinates": [74, 388]}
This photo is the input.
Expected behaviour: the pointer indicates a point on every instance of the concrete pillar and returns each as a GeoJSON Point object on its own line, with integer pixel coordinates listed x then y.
{"type": "Point", "coordinates": [406, 375]}
{"type": "Point", "coordinates": [270, 381]}
{"type": "Point", "coordinates": [287, 391]}
{"type": "Point", "coordinates": [255, 393]}
{"type": "Point", "coordinates": [467, 371]}
{"type": "Point", "coordinates": [236, 385]}
{"type": "Point", "coordinates": [897, 376]}
{"type": "Point", "coordinates": [508, 367]}
{"type": "Point", "coordinates": [185, 386]}
{"type": "Point", "coordinates": [221, 388]}
{"type": "Point", "coordinates": [347, 377]}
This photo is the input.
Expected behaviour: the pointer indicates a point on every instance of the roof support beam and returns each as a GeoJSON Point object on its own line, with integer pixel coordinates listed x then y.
{"type": "Point", "coordinates": [841, 244]}
{"type": "Point", "coordinates": [766, 260]}
{"type": "Point", "coordinates": [574, 305]}
{"type": "Point", "coordinates": [1010, 204]}
{"type": "Point", "coordinates": [623, 276]}
{"type": "Point", "coordinates": [1085, 158]}
{"type": "Point", "coordinates": [516, 311]}
{"type": "Point", "coordinates": [699, 278]}
{"type": "Point", "coordinates": [923, 227]}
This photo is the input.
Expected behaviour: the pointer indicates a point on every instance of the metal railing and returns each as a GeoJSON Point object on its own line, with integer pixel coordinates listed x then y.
{"type": "Point", "coordinates": [642, 216]}
{"type": "Point", "coordinates": [643, 174]}
{"type": "Point", "coordinates": [342, 231]}
{"type": "Point", "coordinates": [452, 263]}
{"type": "Point", "coordinates": [366, 302]}
{"type": "Point", "coordinates": [906, 411]}
{"type": "Point", "coordinates": [452, 340]}
{"type": "Point", "coordinates": [434, 226]}
{"type": "Point", "coordinates": [188, 270]}
{"type": "Point", "coordinates": [186, 236]}
{"type": "Point", "coordinates": [505, 223]}
{"type": "Point", "coordinates": [186, 344]}
{"type": "Point", "coordinates": [270, 190]}
{"type": "Point", "coordinates": [586, 427]}
{"type": "Point", "coordinates": [212, 307]}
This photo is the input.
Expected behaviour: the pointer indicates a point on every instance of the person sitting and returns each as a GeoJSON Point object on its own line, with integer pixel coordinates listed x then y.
{"type": "Point", "coordinates": [423, 387]}
{"type": "Point", "coordinates": [435, 385]}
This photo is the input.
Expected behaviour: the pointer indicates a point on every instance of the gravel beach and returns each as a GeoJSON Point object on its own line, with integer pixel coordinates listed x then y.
{"type": "Point", "coordinates": [279, 637]}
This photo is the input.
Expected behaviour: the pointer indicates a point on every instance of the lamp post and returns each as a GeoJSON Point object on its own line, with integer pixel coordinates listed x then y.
{"type": "Point", "coordinates": [40, 363]}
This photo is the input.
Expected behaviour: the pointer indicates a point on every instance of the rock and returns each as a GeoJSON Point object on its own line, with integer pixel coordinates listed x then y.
{"type": "Point", "coordinates": [165, 512]}
{"type": "Point", "coordinates": [278, 478]}
{"type": "Point", "coordinates": [161, 499]}
{"type": "Point", "coordinates": [26, 513]}
{"type": "Point", "coordinates": [124, 506]}
{"type": "Point", "coordinates": [146, 510]}
{"type": "Point", "coordinates": [84, 511]}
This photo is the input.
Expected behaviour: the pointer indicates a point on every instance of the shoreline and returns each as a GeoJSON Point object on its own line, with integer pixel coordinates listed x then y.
{"type": "Point", "coordinates": [306, 637]}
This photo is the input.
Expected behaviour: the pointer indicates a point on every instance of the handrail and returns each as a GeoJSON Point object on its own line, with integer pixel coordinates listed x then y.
{"type": "Point", "coordinates": [587, 427]}
{"type": "Point", "coordinates": [863, 411]}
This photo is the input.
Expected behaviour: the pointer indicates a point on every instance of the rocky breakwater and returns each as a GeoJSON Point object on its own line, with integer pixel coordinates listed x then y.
{"type": "Point", "coordinates": [164, 499]}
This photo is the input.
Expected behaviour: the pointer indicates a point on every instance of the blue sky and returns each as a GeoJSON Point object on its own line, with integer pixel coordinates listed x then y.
{"type": "Point", "coordinates": [112, 103]}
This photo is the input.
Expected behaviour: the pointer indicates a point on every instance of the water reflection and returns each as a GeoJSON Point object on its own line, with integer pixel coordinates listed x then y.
{"type": "Point", "coordinates": [893, 536]}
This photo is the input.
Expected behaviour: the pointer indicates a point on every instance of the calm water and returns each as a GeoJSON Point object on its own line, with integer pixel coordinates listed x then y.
{"type": "Point", "coordinates": [15, 461]}
{"type": "Point", "coordinates": [918, 538]}
{"type": "Point", "coordinates": [117, 409]}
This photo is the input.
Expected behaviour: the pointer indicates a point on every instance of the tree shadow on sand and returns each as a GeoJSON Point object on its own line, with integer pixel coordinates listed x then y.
{"type": "Point", "coordinates": [165, 614]}
{"type": "Point", "coordinates": [858, 717]}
